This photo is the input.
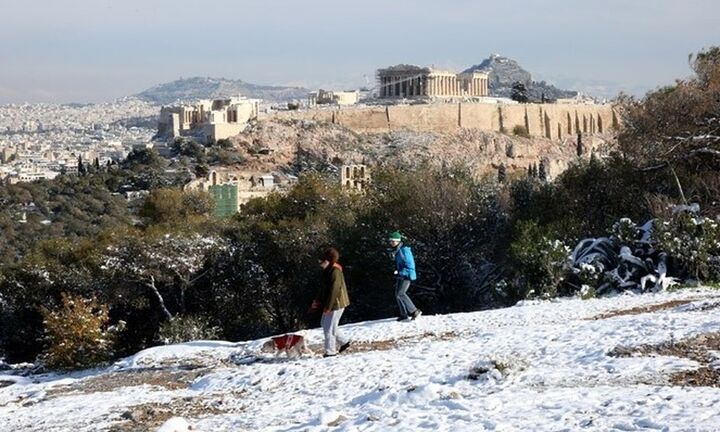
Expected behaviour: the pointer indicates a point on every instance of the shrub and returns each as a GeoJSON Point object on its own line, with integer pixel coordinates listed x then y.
{"type": "Point", "coordinates": [521, 130]}
{"type": "Point", "coordinates": [78, 334]}
{"type": "Point", "coordinates": [691, 239]}
{"type": "Point", "coordinates": [542, 259]}
{"type": "Point", "coordinates": [187, 328]}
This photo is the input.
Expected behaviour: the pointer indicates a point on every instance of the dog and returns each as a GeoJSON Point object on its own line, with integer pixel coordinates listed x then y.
{"type": "Point", "coordinates": [292, 344]}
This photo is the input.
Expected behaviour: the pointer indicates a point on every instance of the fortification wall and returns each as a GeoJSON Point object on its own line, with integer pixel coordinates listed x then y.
{"type": "Point", "coordinates": [552, 121]}
{"type": "Point", "coordinates": [372, 119]}
{"type": "Point", "coordinates": [427, 118]}
{"type": "Point", "coordinates": [479, 116]}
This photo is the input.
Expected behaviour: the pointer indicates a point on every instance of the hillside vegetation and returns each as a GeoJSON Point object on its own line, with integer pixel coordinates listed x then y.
{"type": "Point", "coordinates": [164, 264]}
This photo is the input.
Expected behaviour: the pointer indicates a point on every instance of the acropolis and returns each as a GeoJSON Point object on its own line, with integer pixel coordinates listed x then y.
{"type": "Point", "coordinates": [409, 81]}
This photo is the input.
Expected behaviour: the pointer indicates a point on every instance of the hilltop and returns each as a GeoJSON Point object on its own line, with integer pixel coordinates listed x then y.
{"type": "Point", "coordinates": [630, 362]}
{"type": "Point", "coordinates": [504, 72]}
{"type": "Point", "coordinates": [187, 89]}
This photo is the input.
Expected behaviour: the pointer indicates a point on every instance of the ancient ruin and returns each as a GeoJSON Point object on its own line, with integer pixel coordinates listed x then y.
{"type": "Point", "coordinates": [327, 97]}
{"type": "Point", "coordinates": [354, 176]}
{"type": "Point", "coordinates": [409, 81]}
{"type": "Point", "coordinates": [208, 120]}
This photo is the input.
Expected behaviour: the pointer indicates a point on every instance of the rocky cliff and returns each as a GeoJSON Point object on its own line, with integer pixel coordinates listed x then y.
{"type": "Point", "coordinates": [294, 146]}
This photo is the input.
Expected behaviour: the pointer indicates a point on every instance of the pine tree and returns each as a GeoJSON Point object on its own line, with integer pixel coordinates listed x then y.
{"type": "Point", "coordinates": [502, 173]}
{"type": "Point", "coordinates": [519, 92]}
{"type": "Point", "coordinates": [81, 168]}
{"type": "Point", "coordinates": [580, 147]}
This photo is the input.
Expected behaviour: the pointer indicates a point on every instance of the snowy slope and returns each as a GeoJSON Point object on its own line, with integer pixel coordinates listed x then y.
{"type": "Point", "coordinates": [548, 370]}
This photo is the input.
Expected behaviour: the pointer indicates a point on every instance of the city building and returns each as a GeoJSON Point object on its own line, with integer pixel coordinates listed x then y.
{"type": "Point", "coordinates": [231, 189]}
{"type": "Point", "coordinates": [410, 81]}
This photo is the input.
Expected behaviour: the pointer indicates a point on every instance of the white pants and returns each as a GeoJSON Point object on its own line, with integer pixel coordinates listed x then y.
{"type": "Point", "coordinates": [333, 338]}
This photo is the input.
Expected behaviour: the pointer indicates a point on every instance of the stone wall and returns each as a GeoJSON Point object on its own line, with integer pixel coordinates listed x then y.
{"type": "Point", "coordinates": [552, 121]}
{"type": "Point", "coordinates": [425, 118]}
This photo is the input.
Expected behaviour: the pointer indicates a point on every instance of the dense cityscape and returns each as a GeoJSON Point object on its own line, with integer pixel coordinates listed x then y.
{"type": "Point", "coordinates": [40, 141]}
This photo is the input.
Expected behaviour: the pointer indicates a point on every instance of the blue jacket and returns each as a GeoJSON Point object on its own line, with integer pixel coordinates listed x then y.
{"type": "Point", "coordinates": [405, 263]}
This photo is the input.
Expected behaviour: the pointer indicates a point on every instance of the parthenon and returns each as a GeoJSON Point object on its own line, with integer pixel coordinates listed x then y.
{"type": "Point", "coordinates": [409, 81]}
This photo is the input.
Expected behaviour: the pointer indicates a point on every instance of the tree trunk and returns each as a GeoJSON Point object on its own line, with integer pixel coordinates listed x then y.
{"type": "Point", "coordinates": [159, 297]}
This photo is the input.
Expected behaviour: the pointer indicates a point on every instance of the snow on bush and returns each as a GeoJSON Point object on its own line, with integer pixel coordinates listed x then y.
{"type": "Point", "coordinates": [187, 328]}
{"type": "Point", "coordinates": [692, 239]}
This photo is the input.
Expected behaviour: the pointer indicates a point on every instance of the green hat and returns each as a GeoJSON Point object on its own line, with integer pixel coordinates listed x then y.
{"type": "Point", "coordinates": [395, 235]}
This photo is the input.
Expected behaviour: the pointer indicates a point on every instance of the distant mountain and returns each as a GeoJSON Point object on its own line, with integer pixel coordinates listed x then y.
{"type": "Point", "coordinates": [504, 72]}
{"type": "Point", "coordinates": [207, 88]}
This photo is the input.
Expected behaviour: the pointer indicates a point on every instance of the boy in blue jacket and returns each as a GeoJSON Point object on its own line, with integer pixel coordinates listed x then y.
{"type": "Point", "coordinates": [404, 274]}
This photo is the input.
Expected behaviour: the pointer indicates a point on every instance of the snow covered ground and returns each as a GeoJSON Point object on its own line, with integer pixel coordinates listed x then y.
{"type": "Point", "coordinates": [538, 366]}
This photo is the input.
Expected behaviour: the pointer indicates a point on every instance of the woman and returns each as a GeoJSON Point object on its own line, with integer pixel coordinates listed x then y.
{"type": "Point", "coordinates": [404, 274]}
{"type": "Point", "coordinates": [333, 299]}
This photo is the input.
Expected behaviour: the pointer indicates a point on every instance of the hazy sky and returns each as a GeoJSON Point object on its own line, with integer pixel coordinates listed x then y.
{"type": "Point", "coordinates": [98, 50]}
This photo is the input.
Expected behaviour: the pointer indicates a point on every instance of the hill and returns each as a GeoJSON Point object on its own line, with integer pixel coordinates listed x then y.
{"type": "Point", "coordinates": [504, 72]}
{"type": "Point", "coordinates": [630, 362]}
{"type": "Point", "coordinates": [187, 89]}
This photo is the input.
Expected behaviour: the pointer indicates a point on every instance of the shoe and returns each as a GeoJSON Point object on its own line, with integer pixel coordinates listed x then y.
{"type": "Point", "coordinates": [403, 318]}
{"type": "Point", "coordinates": [344, 346]}
{"type": "Point", "coordinates": [329, 355]}
{"type": "Point", "coordinates": [416, 314]}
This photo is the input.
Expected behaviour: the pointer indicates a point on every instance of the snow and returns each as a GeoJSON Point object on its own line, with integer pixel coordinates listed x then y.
{"type": "Point", "coordinates": [175, 424]}
{"type": "Point", "coordinates": [541, 365]}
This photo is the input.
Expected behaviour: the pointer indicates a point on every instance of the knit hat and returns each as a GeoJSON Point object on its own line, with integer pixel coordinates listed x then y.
{"type": "Point", "coordinates": [395, 236]}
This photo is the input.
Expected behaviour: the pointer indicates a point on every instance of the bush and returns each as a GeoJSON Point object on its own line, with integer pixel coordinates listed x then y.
{"type": "Point", "coordinates": [693, 240]}
{"type": "Point", "coordinates": [540, 258]}
{"type": "Point", "coordinates": [520, 130]}
{"type": "Point", "coordinates": [78, 334]}
{"type": "Point", "coordinates": [187, 328]}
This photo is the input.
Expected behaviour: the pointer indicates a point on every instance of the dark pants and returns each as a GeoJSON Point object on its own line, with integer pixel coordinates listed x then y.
{"type": "Point", "coordinates": [405, 305]}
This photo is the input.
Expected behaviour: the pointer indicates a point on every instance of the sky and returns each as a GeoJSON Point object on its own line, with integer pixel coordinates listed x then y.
{"type": "Point", "coordinates": [98, 50]}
